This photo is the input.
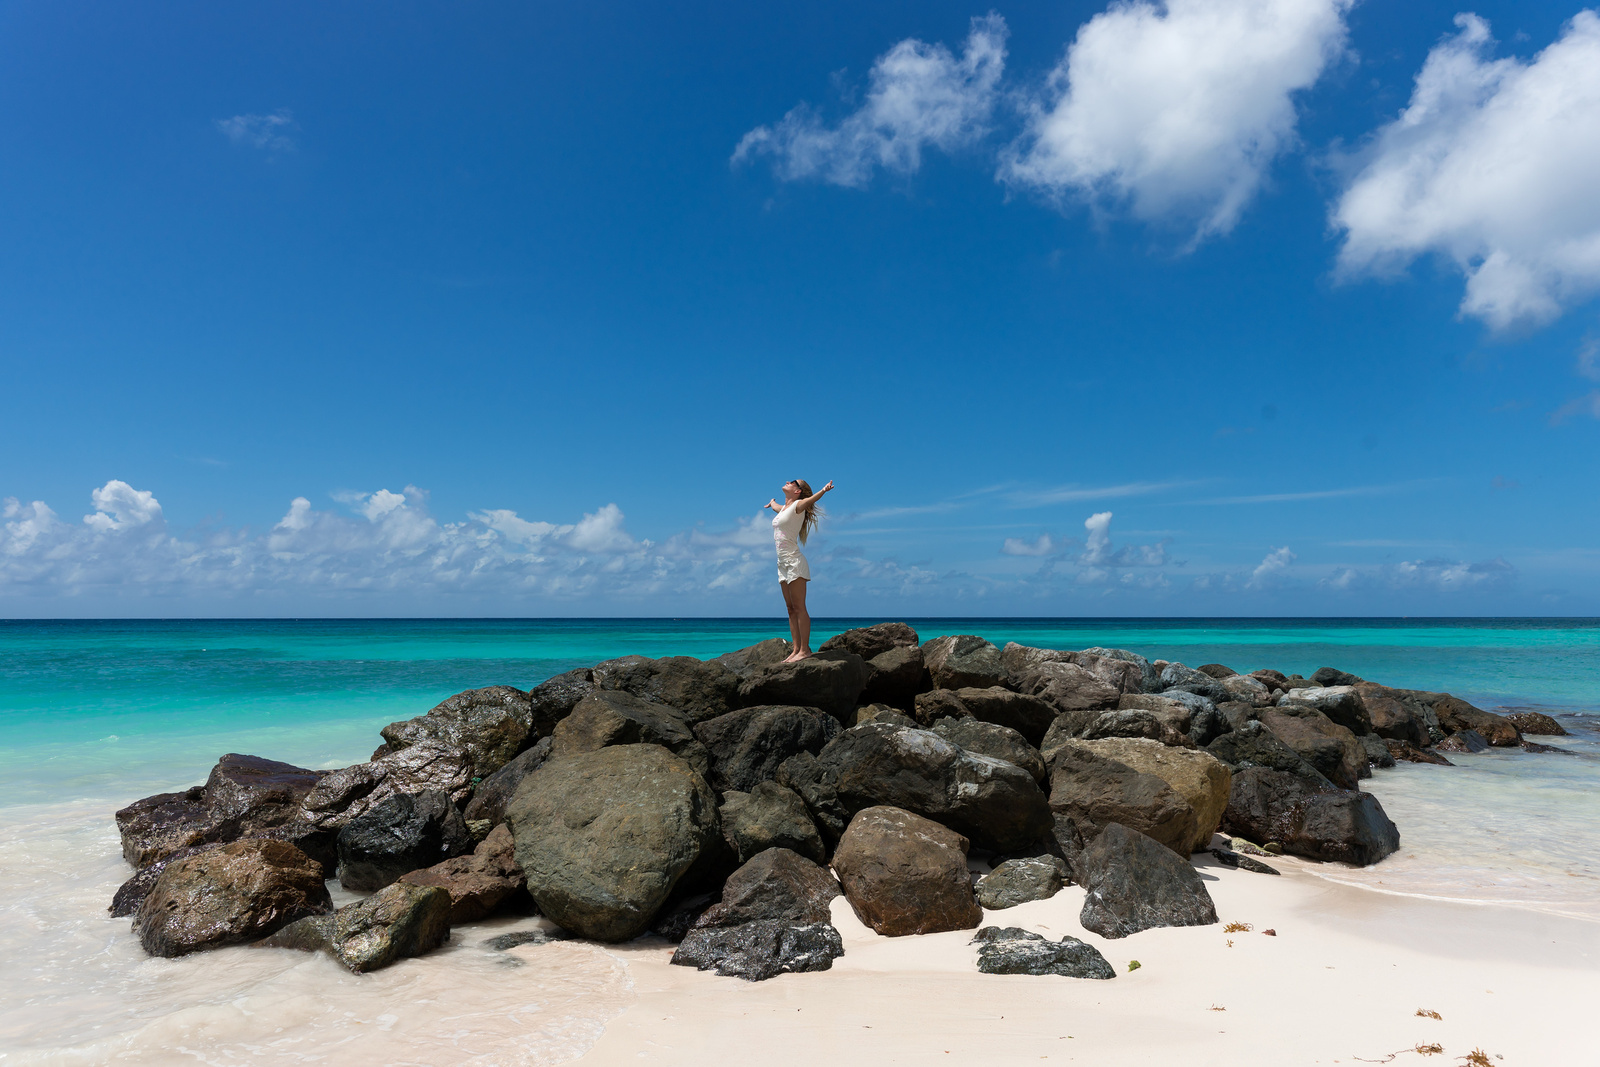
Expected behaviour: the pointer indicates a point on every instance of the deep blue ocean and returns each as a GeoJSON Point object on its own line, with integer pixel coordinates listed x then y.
{"type": "Point", "coordinates": [120, 708]}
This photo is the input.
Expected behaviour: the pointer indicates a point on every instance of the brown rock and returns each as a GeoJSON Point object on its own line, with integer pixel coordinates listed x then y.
{"type": "Point", "coordinates": [832, 681]}
{"type": "Point", "coordinates": [226, 895]}
{"type": "Point", "coordinates": [1406, 752]}
{"type": "Point", "coordinates": [904, 874]}
{"type": "Point", "coordinates": [1456, 715]}
{"type": "Point", "coordinates": [1092, 790]}
{"type": "Point", "coordinates": [871, 641]}
{"type": "Point", "coordinates": [606, 718]}
{"type": "Point", "coordinates": [1393, 716]}
{"type": "Point", "coordinates": [1327, 746]}
{"type": "Point", "coordinates": [896, 677]}
{"type": "Point", "coordinates": [696, 690]}
{"type": "Point", "coordinates": [963, 660]}
{"type": "Point", "coordinates": [1536, 723]}
{"type": "Point", "coordinates": [480, 883]}
{"type": "Point", "coordinates": [1029, 716]}
{"type": "Point", "coordinates": [1194, 774]}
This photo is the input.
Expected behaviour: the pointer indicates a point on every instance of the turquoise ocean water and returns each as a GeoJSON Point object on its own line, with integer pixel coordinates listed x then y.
{"type": "Point", "coordinates": [117, 708]}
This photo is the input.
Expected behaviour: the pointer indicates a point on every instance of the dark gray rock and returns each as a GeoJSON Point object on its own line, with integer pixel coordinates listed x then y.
{"type": "Point", "coordinates": [131, 893]}
{"type": "Point", "coordinates": [1468, 741]}
{"type": "Point", "coordinates": [1377, 750]}
{"type": "Point", "coordinates": [992, 739]}
{"type": "Point", "coordinates": [604, 836]}
{"type": "Point", "coordinates": [896, 677]}
{"type": "Point", "coordinates": [553, 700]}
{"type": "Point", "coordinates": [396, 922]}
{"type": "Point", "coordinates": [1158, 718]}
{"type": "Point", "coordinates": [872, 641]}
{"type": "Point", "coordinates": [1066, 728]}
{"type": "Point", "coordinates": [963, 660]}
{"type": "Point", "coordinates": [1342, 704]}
{"type": "Point", "coordinates": [904, 874]}
{"type": "Point", "coordinates": [678, 916]}
{"type": "Point", "coordinates": [1229, 858]}
{"type": "Point", "coordinates": [1013, 950]}
{"type": "Point", "coordinates": [883, 713]}
{"type": "Point", "coordinates": [995, 803]}
{"type": "Point", "coordinates": [762, 949]}
{"type": "Point", "coordinates": [831, 681]}
{"type": "Point", "coordinates": [761, 654]}
{"type": "Point", "coordinates": [747, 746]}
{"type": "Point", "coordinates": [1455, 715]}
{"type": "Point", "coordinates": [492, 795]}
{"type": "Point", "coordinates": [775, 884]}
{"type": "Point", "coordinates": [818, 786]}
{"type": "Point", "coordinates": [1253, 745]}
{"type": "Point", "coordinates": [1316, 822]}
{"type": "Point", "coordinates": [1216, 670]}
{"type": "Point", "coordinates": [1149, 676]}
{"type": "Point", "coordinates": [1406, 752]}
{"type": "Point", "coordinates": [697, 690]}
{"type": "Point", "coordinates": [490, 725]}
{"type": "Point", "coordinates": [1029, 716]}
{"type": "Point", "coordinates": [1236, 713]}
{"type": "Point", "coordinates": [1018, 881]}
{"type": "Point", "coordinates": [1093, 791]}
{"type": "Point", "coordinates": [1065, 685]}
{"type": "Point", "coordinates": [1186, 679]}
{"type": "Point", "coordinates": [1329, 676]}
{"type": "Point", "coordinates": [1134, 883]}
{"type": "Point", "coordinates": [237, 892]}
{"type": "Point", "coordinates": [400, 834]}
{"type": "Point", "coordinates": [344, 794]}
{"type": "Point", "coordinates": [1330, 748]}
{"type": "Point", "coordinates": [615, 717]}
{"type": "Point", "coordinates": [1242, 687]}
{"type": "Point", "coordinates": [928, 708]}
{"type": "Point", "coordinates": [518, 938]}
{"type": "Point", "coordinates": [769, 816]}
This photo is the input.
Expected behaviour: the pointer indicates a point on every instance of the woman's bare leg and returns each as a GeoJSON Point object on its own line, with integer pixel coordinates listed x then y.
{"type": "Point", "coordinates": [794, 598]}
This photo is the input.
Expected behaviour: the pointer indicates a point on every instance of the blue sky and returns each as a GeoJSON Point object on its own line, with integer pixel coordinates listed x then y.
{"type": "Point", "coordinates": [1236, 308]}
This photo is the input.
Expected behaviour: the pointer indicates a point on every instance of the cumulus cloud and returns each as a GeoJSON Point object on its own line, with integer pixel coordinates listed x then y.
{"type": "Point", "coordinates": [271, 133]}
{"type": "Point", "coordinates": [1276, 562]}
{"type": "Point", "coordinates": [1494, 166]}
{"type": "Point", "coordinates": [1176, 110]}
{"type": "Point", "coordinates": [1440, 575]}
{"type": "Point", "coordinates": [118, 504]}
{"type": "Point", "coordinates": [1097, 546]}
{"type": "Point", "coordinates": [920, 96]}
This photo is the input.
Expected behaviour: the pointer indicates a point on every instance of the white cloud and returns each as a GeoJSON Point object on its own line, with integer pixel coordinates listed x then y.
{"type": "Point", "coordinates": [1097, 546]}
{"type": "Point", "coordinates": [1494, 165]}
{"type": "Point", "coordinates": [268, 132]}
{"type": "Point", "coordinates": [1176, 111]}
{"type": "Point", "coordinates": [1015, 546]}
{"type": "Point", "coordinates": [118, 504]}
{"type": "Point", "coordinates": [1276, 562]}
{"type": "Point", "coordinates": [920, 96]}
{"type": "Point", "coordinates": [1066, 494]}
{"type": "Point", "coordinates": [1440, 575]}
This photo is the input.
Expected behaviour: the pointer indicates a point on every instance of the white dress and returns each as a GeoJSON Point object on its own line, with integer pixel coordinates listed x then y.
{"type": "Point", "coordinates": [786, 535]}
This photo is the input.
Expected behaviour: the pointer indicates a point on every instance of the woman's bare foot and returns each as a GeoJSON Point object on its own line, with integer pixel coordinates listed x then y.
{"type": "Point", "coordinates": [798, 655]}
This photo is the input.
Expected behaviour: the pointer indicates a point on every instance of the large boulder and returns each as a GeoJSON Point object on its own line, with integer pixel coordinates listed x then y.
{"type": "Point", "coordinates": [1537, 723]}
{"type": "Point", "coordinates": [992, 739]}
{"type": "Point", "coordinates": [244, 796]}
{"type": "Point", "coordinates": [769, 816]}
{"type": "Point", "coordinates": [761, 654]}
{"type": "Point", "coordinates": [831, 681]}
{"type": "Point", "coordinates": [480, 883]}
{"type": "Point", "coordinates": [131, 894]}
{"type": "Point", "coordinates": [1392, 715]}
{"type": "Point", "coordinates": [995, 803]}
{"type": "Point", "coordinates": [1132, 883]}
{"type": "Point", "coordinates": [1456, 715]}
{"type": "Point", "coordinates": [773, 919]}
{"type": "Point", "coordinates": [1063, 684]}
{"type": "Point", "coordinates": [872, 641]}
{"type": "Point", "coordinates": [1156, 718]}
{"type": "Point", "coordinates": [1189, 680]}
{"type": "Point", "coordinates": [896, 677]}
{"type": "Point", "coordinates": [1307, 820]}
{"type": "Point", "coordinates": [1341, 703]}
{"type": "Point", "coordinates": [398, 921]}
{"type": "Point", "coordinates": [604, 836]}
{"type": "Point", "coordinates": [1028, 715]}
{"type": "Point", "coordinates": [494, 793]}
{"type": "Point", "coordinates": [1092, 790]}
{"type": "Point", "coordinates": [1149, 677]}
{"type": "Point", "coordinates": [400, 834]}
{"type": "Point", "coordinates": [1195, 775]}
{"type": "Point", "coordinates": [747, 746]}
{"type": "Point", "coordinates": [614, 717]}
{"type": "Point", "coordinates": [344, 794]}
{"type": "Point", "coordinates": [1248, 690]}
{"type": "Point", "coordinates": [904, 874]}
{"type": "Point", "coordinates": [1334, 676]}
{"type": "Point", "coordinates": [698, 690]}
{"type": "Point", "coordinates": [963, 660]}
{"type": "Point", "coordinates": [1018, 881]}
{"type": "Point", "coordinates": [554, 698]}
{"type": "Point", "coordinates": [233, 893]}
{"type": "Point", "coordinates": [1253, 745]}
{"type": "Point", "coordinates": [1013, 950]}
{"type": "Point", "coordinates": [490, 725]}
{"type": "Point", "coordinates": [1323, 743]}
{"type": "Point", "coordinates": [818, 786]}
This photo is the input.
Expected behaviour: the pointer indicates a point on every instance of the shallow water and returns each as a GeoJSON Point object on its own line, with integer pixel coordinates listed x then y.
{"type": "Point", "coordinates": [94, 715]}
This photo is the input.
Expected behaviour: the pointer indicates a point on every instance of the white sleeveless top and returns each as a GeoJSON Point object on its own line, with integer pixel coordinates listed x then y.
{"type": "Point", "coordinates": [786, 536]}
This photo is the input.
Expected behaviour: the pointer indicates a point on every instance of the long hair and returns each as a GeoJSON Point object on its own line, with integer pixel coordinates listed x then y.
{"type": "Point", "coordinates": [813, 513]}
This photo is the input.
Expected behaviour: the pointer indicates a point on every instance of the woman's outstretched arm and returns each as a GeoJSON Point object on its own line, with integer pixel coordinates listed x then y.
{"type": "Point", "coordinates": [773, 504]}
{"type": "Point", "coordinates": [814, 497]}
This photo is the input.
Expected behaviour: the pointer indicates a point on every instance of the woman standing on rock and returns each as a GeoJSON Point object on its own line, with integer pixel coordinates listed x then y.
{"type": "Point", "coordinates": [790, 528]}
